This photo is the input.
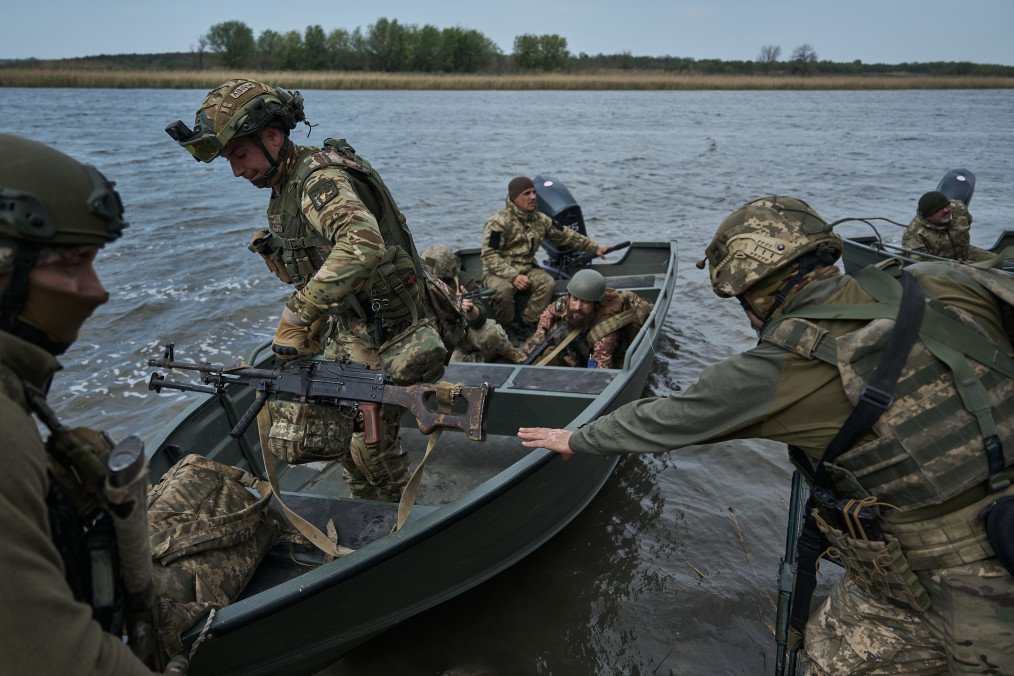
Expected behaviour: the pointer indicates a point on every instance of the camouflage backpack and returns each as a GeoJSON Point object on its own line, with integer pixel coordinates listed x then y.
{"type": "Point", "coordinates": [450, 317]}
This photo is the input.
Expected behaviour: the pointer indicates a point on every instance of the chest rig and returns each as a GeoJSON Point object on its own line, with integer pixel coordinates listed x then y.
{"type": "Point", "coordinates": [392, 294]}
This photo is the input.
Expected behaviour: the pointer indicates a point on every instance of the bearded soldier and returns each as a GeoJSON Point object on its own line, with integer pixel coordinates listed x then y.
{"type": "Point", "coordinates": [510, 239]}
{"type": "Point", "coordinates": [590, 326]}
{"type": "Point", "coordinates": [897, 391]}
{"type": "Point", "coordinates": [336, 234]}
{"type": "Point", "coordinates": [941, 228]}
{"type": "Point", "coordinates": [62, 596]}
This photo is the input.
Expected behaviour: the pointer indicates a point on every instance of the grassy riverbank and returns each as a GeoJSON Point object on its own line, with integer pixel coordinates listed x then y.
{"type": "Point", "coordinates": [606, 80]}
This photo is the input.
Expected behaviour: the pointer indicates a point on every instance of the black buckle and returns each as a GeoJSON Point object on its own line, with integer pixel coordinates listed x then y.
{"type": "Point", "coordinates": [876, 397]}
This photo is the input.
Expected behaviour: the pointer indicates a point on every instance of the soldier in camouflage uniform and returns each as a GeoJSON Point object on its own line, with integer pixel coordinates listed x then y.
{"type": "Point", "coordinates": [941, 228]}
{"type": "Point", "coordinates": [606, 321]}
{"type": "Point", "coordinates": [510, 239]}
{"type": "Point", "coordinates": [934, 596]}
{"type": "Point", "coordinates": [352, 263]}
{"type": "Point", "coordinates": [484, 340]}
{"type": "Point", "coordinates": [56, 555]}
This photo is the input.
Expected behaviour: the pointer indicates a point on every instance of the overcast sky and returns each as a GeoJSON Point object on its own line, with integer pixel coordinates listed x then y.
{"type": "Point", "coordinates": [874, 31]}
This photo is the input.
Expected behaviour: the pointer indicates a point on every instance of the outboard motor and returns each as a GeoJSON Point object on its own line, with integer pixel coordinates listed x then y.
{"type": "Point", "coordinates": [554, 200]}
{"type": "Point", "coordinates": [957, 184]}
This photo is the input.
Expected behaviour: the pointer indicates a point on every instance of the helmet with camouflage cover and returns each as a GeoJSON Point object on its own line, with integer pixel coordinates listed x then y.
{"type": "Point", "coordinates": [51, 205]}
{"type": "Point", "coordinates": [441, 259]}
{"type": "Point", "coordinates": [234, 109]}
{"type": "Point", "coordinates": [587, 285]}
{"type": "Point", "coordinates": [764, 238]}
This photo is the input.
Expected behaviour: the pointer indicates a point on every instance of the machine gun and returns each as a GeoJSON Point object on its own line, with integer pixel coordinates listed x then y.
{"type": "Point", "coordinates": [344, 384]}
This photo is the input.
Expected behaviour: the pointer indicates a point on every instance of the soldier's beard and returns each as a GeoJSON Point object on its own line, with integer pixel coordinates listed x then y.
{"type": "Point", "coordinates": [59, 314]}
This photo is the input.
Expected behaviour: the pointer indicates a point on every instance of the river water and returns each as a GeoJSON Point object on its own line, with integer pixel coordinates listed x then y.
{"type": "Point", "coordinates": [672, 569]}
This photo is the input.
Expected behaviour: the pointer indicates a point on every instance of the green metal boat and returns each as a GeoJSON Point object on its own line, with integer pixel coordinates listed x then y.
{"type": "Point", "coordinates": [483, 506]}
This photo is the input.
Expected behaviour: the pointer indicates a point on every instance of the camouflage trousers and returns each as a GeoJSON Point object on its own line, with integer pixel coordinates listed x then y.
{"type": "Point", "coordinates": [486, 343]}
{"type": "Point", "coordinates": [540, 293]}
{"type": "Point", "coordinates": [372, 472]}
{"type": "Point", "coordinates": [969, 628]}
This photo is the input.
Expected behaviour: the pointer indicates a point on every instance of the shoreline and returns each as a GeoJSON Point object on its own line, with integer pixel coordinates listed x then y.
{"type": "Point", "coordinates": [597, 81]}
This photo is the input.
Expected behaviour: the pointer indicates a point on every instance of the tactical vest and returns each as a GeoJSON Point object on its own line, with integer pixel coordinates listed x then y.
{"type": "Point", "coordinates": [619, 310]}
{"type": "Point", "coordinates": [390, 292]}
{"type": "Point", "coordinates": [955, 393]}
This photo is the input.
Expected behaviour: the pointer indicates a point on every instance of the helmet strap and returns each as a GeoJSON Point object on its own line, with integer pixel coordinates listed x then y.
{"type": "Point", "coordinates": [276, 163]}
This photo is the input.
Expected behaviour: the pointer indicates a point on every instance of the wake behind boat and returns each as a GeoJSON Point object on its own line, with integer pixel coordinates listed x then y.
{"type": "Point", "coordinates": [482, 506]}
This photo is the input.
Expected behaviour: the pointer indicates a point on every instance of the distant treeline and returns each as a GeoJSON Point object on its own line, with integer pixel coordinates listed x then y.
{"type": "Point", "coordinates": [388, 46]}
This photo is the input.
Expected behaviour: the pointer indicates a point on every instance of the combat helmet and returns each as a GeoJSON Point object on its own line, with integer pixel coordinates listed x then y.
{"type": "Point", "coordinates": [235, 109]}
{"type": "Point", "coordinates": [587, 285]}
{"type": "Point", "coordinates": [766, 237]}
{"type": "Point", "coordinates": [49, 203]}
{"type": "Point", "coordinates": [441, 260]}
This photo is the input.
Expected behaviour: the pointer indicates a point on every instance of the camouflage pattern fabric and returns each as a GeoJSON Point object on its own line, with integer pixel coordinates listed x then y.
{"type": "Point", "coordinates": [302, 432]}
{"type": "Point", "coordinates": [377, 473]}
{"type": "Point", "coordinates": [948, 240]}
{"type": "Point", "coordinates": [341, 246]}
{"type": "Point", "coordinates": [969, 628]}
{"type": "Point", "coordinates": [604, 349]}
{"type": "Point", "coordinates": [208, 533]}
{"type": "Point", "coordinates": [487, 343]}
{"type": "Point", "coordinates": [510, 239]}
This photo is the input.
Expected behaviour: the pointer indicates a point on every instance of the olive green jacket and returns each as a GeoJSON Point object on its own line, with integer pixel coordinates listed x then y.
{"type": "Point", "coordinates": [43, 629]}
{"type": "Point", "coordinates": [768, 392]}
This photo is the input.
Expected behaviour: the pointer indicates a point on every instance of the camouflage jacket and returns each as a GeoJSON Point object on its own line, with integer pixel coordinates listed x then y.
{"type": "Point", "coordinates": [791, 399]}
{"type": "Point", "coordinates": [511, 238]}
{"type": "Point", "coordinates": [950, 240]}
{"type": "Point", "coordinates": [317, 201]}
{"type": "Point", "coordinates": [602, 346]}
{"type": "Point", "coordinates": [36, 604]}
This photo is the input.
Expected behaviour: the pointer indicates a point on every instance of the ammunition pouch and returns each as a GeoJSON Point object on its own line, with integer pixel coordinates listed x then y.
{"type": "Point", "coordinates": [300, 432]}
{"type": "Point", "coordinates": [391, 288]}
{"type": "Point", "coordinates": [272, 255]}
{"type": "Point", "coordinates": [873, 559]}
{"type": "Point", "coordinates": [414, 355]}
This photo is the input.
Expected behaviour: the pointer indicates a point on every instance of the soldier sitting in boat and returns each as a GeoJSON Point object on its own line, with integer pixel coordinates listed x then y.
{"type": "Point", "coordinates": [591, 326]}
{"type": "Point", "coordinates": [485, 340]}
{"type": "Point", "coordinates": [510, 239]}
{"type": "Point", "coordinates": [941, 228]}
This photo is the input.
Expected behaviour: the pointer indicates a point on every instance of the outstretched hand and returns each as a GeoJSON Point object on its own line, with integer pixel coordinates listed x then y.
{"type": "Point", "coordinates": [555, 440]}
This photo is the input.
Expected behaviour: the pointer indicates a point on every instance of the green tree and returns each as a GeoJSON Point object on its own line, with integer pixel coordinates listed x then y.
{"type": "Point", "coordinates": [316, 51]}
{"type": "Point", "coordinates": [467, 50]}
{"type": "Point", "coordinates": [804, 59]}
{"type": "Point", "coordinates": [234, 41]}
{"type": "Point", "coordinates": [426, 52]}
{"type": "Point", "coordinates": [288, 53]}
{"type": "Point", "coordinates": [346, 49]}
{"type": "Point", "coordinates": [526, 52]}
{"type": "Point", "coordinates": [267, 45]}
{"type": "Point", "coordinates": [386, 46]}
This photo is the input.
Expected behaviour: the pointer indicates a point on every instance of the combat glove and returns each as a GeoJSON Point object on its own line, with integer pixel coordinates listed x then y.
{"type": "Point", "coordinates": [295, 339]}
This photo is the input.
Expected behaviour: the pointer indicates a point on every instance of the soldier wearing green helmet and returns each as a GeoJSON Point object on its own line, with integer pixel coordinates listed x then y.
{"type": "Point", "coordinates": [335, 234]}
{"type": "Point", "coordinates": [61, 593]}
{"type": "Point", "coordinates": [895, 392]}
{"type": "Point", "coordinates": [591, 326]}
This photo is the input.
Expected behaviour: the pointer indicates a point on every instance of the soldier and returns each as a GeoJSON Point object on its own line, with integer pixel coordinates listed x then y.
{"type": "Point", "coordinates": [334, 233]}
{"type": "Point", "coordinates": [590, 326]}
{"type": "Point", "coordinates": [941, 228]}
{"type": "Point", "coordinates": [510, 239]}
{"type": "Point", "coordinates": [484, 340]}
{"type": "Point", "coordinates": [61, 594]}
{"type": "Point", "coordinates": [900, 505]}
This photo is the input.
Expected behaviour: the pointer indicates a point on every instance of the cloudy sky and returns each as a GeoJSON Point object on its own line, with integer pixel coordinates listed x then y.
{"type": "Point", "coordinates": [884, 31]}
